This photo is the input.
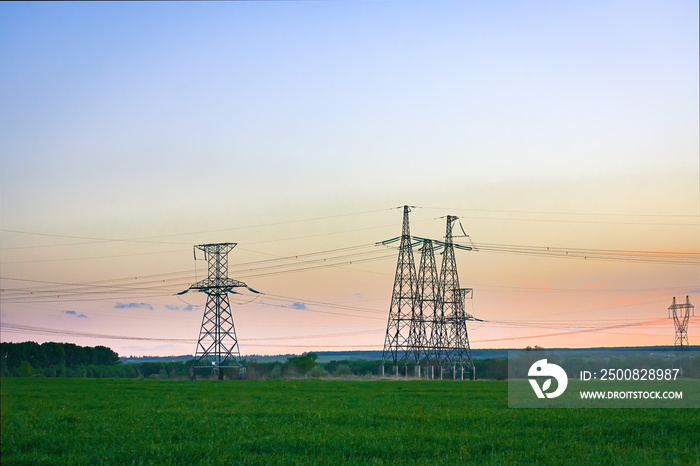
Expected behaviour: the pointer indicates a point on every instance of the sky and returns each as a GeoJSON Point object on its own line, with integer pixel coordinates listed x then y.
{"type": "Point", "coordinates": [132, 131]}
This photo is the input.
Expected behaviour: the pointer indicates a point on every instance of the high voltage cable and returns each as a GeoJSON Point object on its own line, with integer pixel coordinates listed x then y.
{"type": "Point", "coordinates": [659, 257]}
{"type": "Point", "coordinates": [618, 214]}
{"type": "Point", "coordinates": [91, 239]}
{"type": "Point", "coordinates": [45, 331]}
{"type": "Point", "coordinates": [598, 222]}
{"type": "Point", "coordinates": [235, 268]}
{"type": "Point", "coordinates": [374, 313]}
{"type": "Point", "coordinates": [171, 251]}
{"type": "Point", "coordinates": [611, 252]}
{"type": "Point", "coordinates": [145, 239]}
{"type": "Point", "coordinates": [48, 331]}
{"type": "Point", "coordinates": [588, 290]}
{"type": "Point", "coordinates": [317, 311]}
{"type": "Point", "coordinates": [592, 214]}
{"type": "Point", "coordinates": [38, 295]}
{"type": "Point", "coordinates": [269, 224]}
{"type": "Point", "coordinates": [148, 239]}
{"type": "Point", "coordinates": [25, 329]}
{"type": "Point", "coordinates": [322, 335]}
{"type": "Point", "coordinates": [310, 261]}
{"type": "Point", "coordinates": [253, 274]}
{"type": "Point", "coordinates": [17, 328]}
{"type": "Point", "coordinates": [188, 275]}
{"type": "Point", "coordinates": [268, 266]}
{"type": "Point", "coordinates": [547, 335]}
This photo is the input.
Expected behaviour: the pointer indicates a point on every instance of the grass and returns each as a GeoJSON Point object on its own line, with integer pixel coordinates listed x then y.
{"type": "Point", "coordinates": [134, 421]}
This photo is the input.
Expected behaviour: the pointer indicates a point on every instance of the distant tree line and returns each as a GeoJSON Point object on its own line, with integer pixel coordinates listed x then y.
{"type": "Point", "coordinates": [30, 359]}
{"type": "Point", "coordinates": [55, 359]}
{"type": "Point", "coordinates": [306, 366]}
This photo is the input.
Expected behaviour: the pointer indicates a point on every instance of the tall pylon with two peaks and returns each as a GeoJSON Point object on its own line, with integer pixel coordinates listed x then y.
{"type": "Point", "coordinates": [453, 348]}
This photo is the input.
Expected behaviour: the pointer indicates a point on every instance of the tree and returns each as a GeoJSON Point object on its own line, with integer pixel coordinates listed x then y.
{"type": "Point", "coordinates": [25, 369]}
{"type": "Point", "coordinates": [318, 371]}
{"type": "Point", "coordinates": [342, 370]}
{"type": "Point", "coordinates": [52, 354]}
{"type": "Point", "coordinates": [302, 364]}
{"type": "Point", "coordinates": [103, 356]}
{"type": "Point", "coordinates": [75, 355]}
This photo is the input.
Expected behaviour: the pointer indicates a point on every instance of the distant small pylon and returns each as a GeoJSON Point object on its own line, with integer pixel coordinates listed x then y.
{"type": "Point", "coordinates": [681, 317]}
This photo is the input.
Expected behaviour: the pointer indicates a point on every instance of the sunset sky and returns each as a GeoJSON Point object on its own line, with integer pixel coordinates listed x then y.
{"type": "Point", "coordinates": [131, 131]}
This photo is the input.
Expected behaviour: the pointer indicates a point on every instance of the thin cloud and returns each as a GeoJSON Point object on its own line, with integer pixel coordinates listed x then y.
{"type": "Point", "coordinates": [72, 313]}
{"type": "Point", "coordinates": [300, 306]}
{"type": "Point", "coordinates": [133, 306]}
{"type": "Point", "coordinates": [187, 308]}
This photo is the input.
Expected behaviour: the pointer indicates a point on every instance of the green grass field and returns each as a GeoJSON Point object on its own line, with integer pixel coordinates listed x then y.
{"type": "Point", "coordinates": [136, 421]}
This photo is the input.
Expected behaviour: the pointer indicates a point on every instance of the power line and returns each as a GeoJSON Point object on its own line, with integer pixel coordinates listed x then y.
{"type": "Point", "coordinates": [596, 214]}
{"type": "Point", "coordinates": [174, 280]}
{"type": "Point", "coordinates": [92, 239]}
{"type": "Point", "coordinates": [33, 330]}
{"type": "Point", "coordinates": [599, 222]}
{"type": "Point", "coordinates": [94, 257]}
{"type": "Point", "coordinates": [146, 239]}
{"type": "Point", "coordinates": [618, 255]}
{"type": "Point", "coordinates": [587, 330]}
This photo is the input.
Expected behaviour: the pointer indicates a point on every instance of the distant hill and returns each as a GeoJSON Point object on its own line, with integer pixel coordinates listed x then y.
{"type": "Point", "coordinates": [327, 356]}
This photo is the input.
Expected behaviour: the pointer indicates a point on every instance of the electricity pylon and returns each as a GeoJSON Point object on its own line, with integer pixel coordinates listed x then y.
{"type": "Point", "coordinates": [427, 317]}
{"type": "Point", "coordinates": [681, 316]}
{"type": "Point", "coordinates": [217, 346]}
{"type": "Point", "coordinates": [454, 350]}
{"type": "Point", "coordinates": [397, 342]}
{"type": "Point", "coordinates": [426, 305]}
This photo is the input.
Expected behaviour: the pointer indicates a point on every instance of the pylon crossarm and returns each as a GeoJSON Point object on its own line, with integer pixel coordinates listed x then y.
{"type": "Point", "coordinates": [217, 283]}
{"type": "Point", "coordinates": [389, 241]}
{"type": "Point", "coordinates": [417, 241]}
{"type": "Point", "coordinates": [443, 243]}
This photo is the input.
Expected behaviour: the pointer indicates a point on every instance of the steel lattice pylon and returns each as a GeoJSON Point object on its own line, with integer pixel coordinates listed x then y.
{"type": "Point", "coordinates": [454, 350]}
{"type": "Point", "coordinates": [426, 305]}
{"type": "Point", "coordinates": [217, 346]}
{"type": "Point", "coordinates": [397, 342]}
{"type": "Point", "coordinates": [681, 317]}
{"type": "Point", "coordinates": [427, 317]}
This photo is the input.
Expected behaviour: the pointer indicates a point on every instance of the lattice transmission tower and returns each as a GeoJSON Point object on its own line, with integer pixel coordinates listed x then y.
{"type": "Point", "coordinates": [452, 348]}
{"type": "Point", "coordinates": [427, 317]}
{"type": "Point", "coordinates": [426, 305]}
{"type": "Point", "coordinates": [681, 317]}
{"type": "Point", "coordinates": [217, 347]}
{"type": "Point", "coordinates": [397, 342]}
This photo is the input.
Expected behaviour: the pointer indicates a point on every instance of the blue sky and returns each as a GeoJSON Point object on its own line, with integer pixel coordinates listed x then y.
{"type": "Point", "coordinates": [132, 120]}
